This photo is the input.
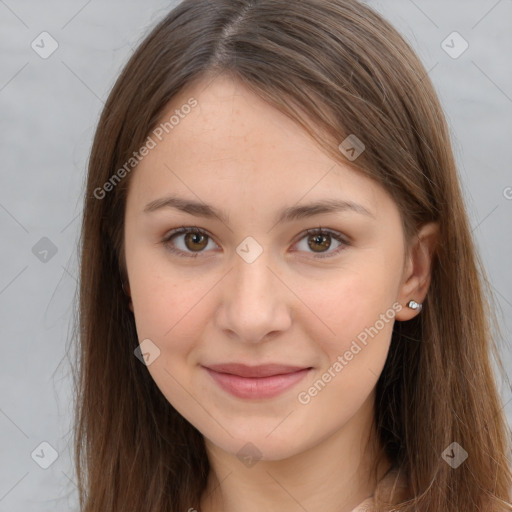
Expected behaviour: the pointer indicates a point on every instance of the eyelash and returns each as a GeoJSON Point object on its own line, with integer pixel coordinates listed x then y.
{"type": "Point", "coordinates": [193, 229]}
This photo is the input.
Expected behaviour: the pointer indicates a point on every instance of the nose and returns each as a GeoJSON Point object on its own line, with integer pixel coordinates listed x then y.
{"type": "Point", "coordinates": [254, 302]}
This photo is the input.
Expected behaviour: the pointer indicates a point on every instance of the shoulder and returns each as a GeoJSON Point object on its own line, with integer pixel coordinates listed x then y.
{"type": "Point", "coordinates": [392, 487]}
{"type": "Point", "coordinates": [367, 505]}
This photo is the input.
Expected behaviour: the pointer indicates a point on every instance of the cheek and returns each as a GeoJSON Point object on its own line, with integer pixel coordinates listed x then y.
{"type": "Point", "coordinates": [170, 312]}
{"type": "Point", "coordinates": [166, 309]}
{"type": "Point", "coordinates": [169, 309]}
{"type": "Point", "coordinates": [358, 310]}
{"type": "Point", "coordinates": [354, 302]}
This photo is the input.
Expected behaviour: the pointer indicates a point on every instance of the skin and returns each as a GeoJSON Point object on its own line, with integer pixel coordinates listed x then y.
{"type": "Point", "coordinates": [241, 155]}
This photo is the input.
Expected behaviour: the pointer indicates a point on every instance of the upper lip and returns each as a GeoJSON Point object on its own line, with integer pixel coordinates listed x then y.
{"type": "Point", "coordinates": [265, 370]}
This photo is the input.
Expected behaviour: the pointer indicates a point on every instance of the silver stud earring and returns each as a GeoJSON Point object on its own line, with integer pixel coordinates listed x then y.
{"type": "Point", "coordinates": [415, 305]}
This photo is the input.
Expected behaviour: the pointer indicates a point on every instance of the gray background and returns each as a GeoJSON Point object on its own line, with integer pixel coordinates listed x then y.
{"type": "Point", "coordinates": [49, 109]}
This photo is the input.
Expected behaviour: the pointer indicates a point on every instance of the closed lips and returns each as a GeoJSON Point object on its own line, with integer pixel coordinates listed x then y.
{"type": "Point", "coordinates": [256, 382]}
{"type": "Point", "coordinates": [246, 371]}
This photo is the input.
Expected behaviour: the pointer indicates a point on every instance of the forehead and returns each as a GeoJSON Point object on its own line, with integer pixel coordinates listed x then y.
{"type": "Point", "coordinates": [234, 146]}
{"type": "Point", "coordinates": [233, 123]}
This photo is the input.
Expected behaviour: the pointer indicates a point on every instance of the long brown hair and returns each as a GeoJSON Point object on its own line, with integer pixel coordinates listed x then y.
{"type": "Point", "coordinates": [337, 68]}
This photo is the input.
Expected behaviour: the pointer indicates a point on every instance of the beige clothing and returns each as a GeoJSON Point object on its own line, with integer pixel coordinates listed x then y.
{"type": "Point", "coordinates": [391, 485]}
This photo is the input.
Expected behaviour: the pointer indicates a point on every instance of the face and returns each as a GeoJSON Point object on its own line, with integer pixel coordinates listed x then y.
{"type": "Point", "coordinates": [249, 284]}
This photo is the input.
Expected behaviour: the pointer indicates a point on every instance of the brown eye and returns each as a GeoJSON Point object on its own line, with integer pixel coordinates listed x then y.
{"type": "Point", "coordinates": [195, 241]}
{"type": "Point", "coordinates": [192, 244]}
{"type": "Point", "coordinates": [319, 241]}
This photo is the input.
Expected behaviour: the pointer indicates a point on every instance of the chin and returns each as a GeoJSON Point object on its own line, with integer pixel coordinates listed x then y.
{"type": "Point", "coordinates": [256, 444]}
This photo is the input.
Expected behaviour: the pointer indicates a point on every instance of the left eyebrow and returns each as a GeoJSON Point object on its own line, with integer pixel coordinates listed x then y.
{"type": "Point", "coordinates": [288, 214]}
{"type": "Point", "coordinates": [320, 207]}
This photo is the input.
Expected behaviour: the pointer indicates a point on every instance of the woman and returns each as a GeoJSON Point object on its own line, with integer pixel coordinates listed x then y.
{"type": "Point", "coordinates": [281, 303]}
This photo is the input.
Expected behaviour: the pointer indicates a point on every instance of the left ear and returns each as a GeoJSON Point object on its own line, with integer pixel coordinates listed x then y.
{"type": "Point", "coordinates": [417, 269]}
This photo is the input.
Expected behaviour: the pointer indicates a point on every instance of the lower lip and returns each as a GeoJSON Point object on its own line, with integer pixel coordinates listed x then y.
{"type": "Point", "coordinates": [260, 387]}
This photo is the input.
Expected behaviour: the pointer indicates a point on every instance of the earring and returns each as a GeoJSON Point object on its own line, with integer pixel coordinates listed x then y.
{"type": "Point", "coordinates": [415, 305]}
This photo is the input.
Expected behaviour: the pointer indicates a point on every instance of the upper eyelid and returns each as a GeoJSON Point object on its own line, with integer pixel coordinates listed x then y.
{"type": "Point", "coordinates": [337, 235]}
{"type": "Point", "coordinates": [183, 229]}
